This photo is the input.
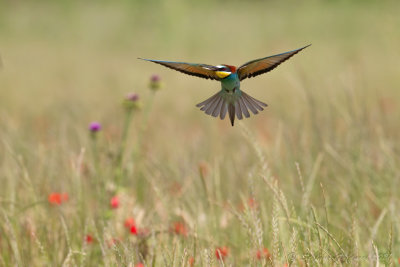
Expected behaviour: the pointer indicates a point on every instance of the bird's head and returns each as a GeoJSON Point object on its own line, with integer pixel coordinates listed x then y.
{"type": "Point", "coordinates": [224, 71]}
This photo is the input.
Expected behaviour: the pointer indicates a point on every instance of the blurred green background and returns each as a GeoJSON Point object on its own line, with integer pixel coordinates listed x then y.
{"type": "Point", "coordinates": [75, 60]}
{"type": "Point", "coordinates": [333, 108]}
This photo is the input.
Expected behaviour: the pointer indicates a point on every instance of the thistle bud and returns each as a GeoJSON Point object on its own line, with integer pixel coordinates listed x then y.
{"type": "Point", "coordinates": [155, 82]}
{"type": "Point", "coordinates": [131, 101]}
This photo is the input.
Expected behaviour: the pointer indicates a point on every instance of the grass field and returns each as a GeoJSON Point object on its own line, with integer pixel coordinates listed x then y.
{"type": "Point", "coordinates": [314, 179]}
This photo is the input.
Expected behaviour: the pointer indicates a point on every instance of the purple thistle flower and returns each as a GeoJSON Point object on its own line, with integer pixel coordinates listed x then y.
{"type": "Point", "coordinates": [155, 78]}
{"type": "Point", "coordinates": [94, 127]}
{"type": "Point", "coordinates": [132, 97]}
{"type": "Point", "coordinates": [155, 82]}
{"type": "Point", "coordinates": [131, 101]}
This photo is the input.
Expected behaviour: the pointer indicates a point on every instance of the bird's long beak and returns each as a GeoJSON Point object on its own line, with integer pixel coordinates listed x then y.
{"type": "Point", "coordinates": [223, 74]}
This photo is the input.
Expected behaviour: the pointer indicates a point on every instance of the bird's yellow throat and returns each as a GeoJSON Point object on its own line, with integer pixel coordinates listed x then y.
{"type": "Point", "coordinates": [222, 74]}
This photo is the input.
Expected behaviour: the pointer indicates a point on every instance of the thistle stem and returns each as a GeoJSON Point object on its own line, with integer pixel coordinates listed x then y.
{"type": "Point", "coordinates": [122, 146]}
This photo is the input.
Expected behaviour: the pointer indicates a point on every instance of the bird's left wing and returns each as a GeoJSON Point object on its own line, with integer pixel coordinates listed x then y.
{"type": "Point", "coordinates": [199, 70]}
{"type": "Point", "coordinates": [263, 65]}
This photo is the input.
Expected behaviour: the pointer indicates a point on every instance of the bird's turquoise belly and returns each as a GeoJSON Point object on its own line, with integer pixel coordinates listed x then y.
{"type": "Point", "coordinates": [231, 83]}
{"type": "Point", "coordinates": [230, 90]}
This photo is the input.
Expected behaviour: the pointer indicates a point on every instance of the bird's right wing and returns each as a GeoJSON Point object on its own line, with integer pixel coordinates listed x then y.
{"type": "Point", "coordinates": [199, 70]}
{"type": "Point", "coordinates": [263, 65]}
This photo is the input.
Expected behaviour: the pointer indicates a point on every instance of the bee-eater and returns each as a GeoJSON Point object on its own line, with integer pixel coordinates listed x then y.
{"type": "Point", "coordinates": [230, 99]}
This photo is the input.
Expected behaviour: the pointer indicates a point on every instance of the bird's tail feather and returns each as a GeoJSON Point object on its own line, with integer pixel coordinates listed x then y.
{"type": "Point", "coordinates": [217, 105]}
{"type": "Point", "coordinates": [231, 111]}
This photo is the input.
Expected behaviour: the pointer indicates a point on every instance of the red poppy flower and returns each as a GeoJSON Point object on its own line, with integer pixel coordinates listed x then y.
{"type": "Point", "coordinates": [134, 230]}
{"type": "Point", "coordinates": [89, 239]}
{"type": "Point", "coordinates": [251, 202]}
{"type": "Point", "coordinates": [114, 202]}
{"type": "Point", "coordinates": [221, 252]}
{"type": "Point", "coordinates": [129, 222]}
{"type": "Point", "coordinates": [57, 198]}
{"type": "Point", "coordinates": [191, 261]}
{"type": "Point", "coordinates": [264, 253]}
{"type": "Point", "coordinates": [139, 264]}
{"type": "Point", "coordinates": [180, 228]}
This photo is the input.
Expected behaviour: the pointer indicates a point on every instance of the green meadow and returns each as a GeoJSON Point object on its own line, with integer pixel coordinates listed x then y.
{"type": "Point", "coordinates": [313, 180]}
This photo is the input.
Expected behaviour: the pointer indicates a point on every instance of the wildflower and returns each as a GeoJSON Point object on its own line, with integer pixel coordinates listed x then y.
{"type": "Point", "coordinates": [155, 83]}
{"type": "Point", "coordinates": [264, 253]}
{"type": "Point", "coordinates": [94, 127]}
{"type": "Point", "coordinates": [131, 101]}
{"type": "Point", "coordinates": [89, 239]}
{"type": "Point", "coordinates": [132, 97]}
{"type": "Point", "coordinates": [54, 198]}
{"type": "Point", "coordinates": [180, 228]}
{"type": "Point", "coordinates": [134, 230]}
{"type": "Point", "coordinates": [57, 198]}
{"type": "Point", "coordinates": [155, 78]}
{"type": "Point", "coordinates": [251, 202]}
{"type": "Point", "coordinates": [114, 202]}
{"type": "Point", "coordinates": [129, 222]}
{"type": "Point", "coordinates": [221, 252]}
{"type": "Point", "coordinates": [191, 261]}
{"type": "Point", "coordinates": [139, 264]}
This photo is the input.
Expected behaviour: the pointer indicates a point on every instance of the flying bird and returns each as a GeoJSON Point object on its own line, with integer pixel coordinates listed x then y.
{"type": "Point", "coordinates": [230, 99]}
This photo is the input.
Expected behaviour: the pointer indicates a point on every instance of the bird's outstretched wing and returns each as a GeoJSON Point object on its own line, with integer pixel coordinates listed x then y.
{"type": "Point", "coordinates": [263, 65]}
{"type": "Point", "coordinates": [199, 70]}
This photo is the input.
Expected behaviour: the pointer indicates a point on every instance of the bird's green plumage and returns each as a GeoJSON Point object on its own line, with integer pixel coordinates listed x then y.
{"type": "Point", "coordinates": [230, 87]}
{"type": "Point", "coordinates": [231, 82]}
